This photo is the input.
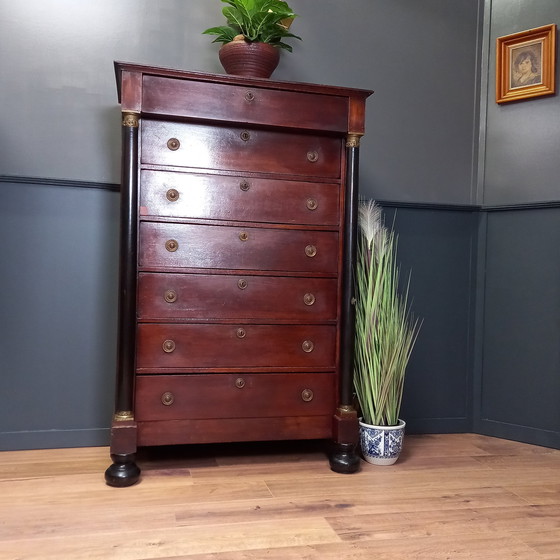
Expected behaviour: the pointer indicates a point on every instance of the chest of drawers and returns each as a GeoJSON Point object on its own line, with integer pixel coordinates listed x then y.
{"type": "Point", "coordinates": [238, 226]}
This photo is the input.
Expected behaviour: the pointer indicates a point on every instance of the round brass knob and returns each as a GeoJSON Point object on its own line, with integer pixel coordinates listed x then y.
{"type": "Point", "coordinates": [307, 395]}
{"type": "Point", "coordinates": [309, 299]}
{"type": "Point", "coordinates": [171, 245]}
{"type": "Point", "coordinates": [311, 251]}
{"type": "Point", "coordinates": [167, 398]}
{"type": "Point", "coordinates": [243, 236]}
{"type": "Point", "coordinates": [172, 195]}
{"type": "Point", "coordinates": [307, 346]}
{"type": "Point", "coordinates": [250, 96]}
{"type": "Point", "coordinates": [245, 135]}
{"type": "Point", "coordinates": [244, 186]}
{"type": "Point", "coordinates": [173, 144]}
{"type": "Point", "coordinates": [170, 296]}
{"type": "Point", "coordinates": [242, 283]}
{"type": "Point", "coordinates": [240, 382]}
{"type": "Point", "coordinates": [312, 204]}
{"type": "Point", "coordinates": [241, 332]}
{"type": "Point", "coordinates": [168, 346]}
{"type": "Point", "coordinates": [312, 157]}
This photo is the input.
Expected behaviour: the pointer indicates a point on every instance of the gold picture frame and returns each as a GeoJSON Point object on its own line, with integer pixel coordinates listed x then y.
{"type": "Point", "coordinates": [525, 64]}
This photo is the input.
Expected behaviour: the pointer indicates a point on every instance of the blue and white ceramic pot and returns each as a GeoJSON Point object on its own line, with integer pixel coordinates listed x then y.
{"type": "Point", "coordinates": [381, 445]}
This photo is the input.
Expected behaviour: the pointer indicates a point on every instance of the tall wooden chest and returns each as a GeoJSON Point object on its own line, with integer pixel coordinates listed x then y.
{"type": "Point", "coordinates": [238, 228]}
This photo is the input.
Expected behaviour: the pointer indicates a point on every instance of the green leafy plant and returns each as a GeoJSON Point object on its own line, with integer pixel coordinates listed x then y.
{"type": "Point", "coordinates": [263, 21]}
{"type": "Point", "coordinates": [385, 331]}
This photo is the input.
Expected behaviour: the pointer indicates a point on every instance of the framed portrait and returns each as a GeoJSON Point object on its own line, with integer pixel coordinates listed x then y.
{"type": "Point", "coordinates": [525, 64]}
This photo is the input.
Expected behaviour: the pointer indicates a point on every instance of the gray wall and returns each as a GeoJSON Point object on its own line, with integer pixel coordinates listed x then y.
{"type": "Point", "coordinates": [57, 301]}
{"type": "Point", "coordinates": [519, 384]}
{"type": "Point", "coordinates": [63, 120]}
{"type": "Point", "coordinates": [518, 360]}
{"type": "Point", "coordinates": [439, 247]}
{"type": "Point", "coordinates": [522, 143]}
{"type": "Point", "coordinates": [426, 156]}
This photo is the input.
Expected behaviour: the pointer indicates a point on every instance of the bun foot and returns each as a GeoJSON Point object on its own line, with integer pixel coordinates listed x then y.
{"type": "Point", "coordinates": [343, 458]}
{"type": "Point", "coordinates": [123, 472]}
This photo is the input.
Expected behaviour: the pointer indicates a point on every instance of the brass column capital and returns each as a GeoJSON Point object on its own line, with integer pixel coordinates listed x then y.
{"type": "Point", "coordinates": [353, 140]}
{"type": "Point", "coordinates": [130, 119]}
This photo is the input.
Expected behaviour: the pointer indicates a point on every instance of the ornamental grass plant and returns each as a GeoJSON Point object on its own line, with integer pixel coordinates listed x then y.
{"type": "Point", "coordinates": [385, 329]}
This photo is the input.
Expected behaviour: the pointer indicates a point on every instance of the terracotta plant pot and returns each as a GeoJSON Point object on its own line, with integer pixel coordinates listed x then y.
{"type": "Point", "coordinates": [255, 60]}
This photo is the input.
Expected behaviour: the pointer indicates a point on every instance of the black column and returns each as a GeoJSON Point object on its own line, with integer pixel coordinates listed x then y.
{"type": "Point", "coordinates": [348, 319]}
{"type": "Point", "coordinates": [124, 471]}
{"type": "Point", "coordinates": [343, 457]}
{"type": "Point", "coordinates": [126, 351]}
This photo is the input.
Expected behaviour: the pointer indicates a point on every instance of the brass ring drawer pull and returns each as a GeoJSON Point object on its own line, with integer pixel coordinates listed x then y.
{"type": "Point", "coordinates": [170, 296]}
{"type": "Point", "coordinates": [307, 395]}
{"type": "Point", "coordinates": [167, 398]}
{"type": "Point", "coordinates": [245, 136]}
{"type": "Point", "coordinates": [309, 299]}
{"type": "Point", "coordinates": [168, 346]}
{"type": "Point", "coordinates": [242, 283]}
{"type": "Point", "coordinates": [244, 186]}
{"type": "Point", "coordinates": [173, 144]}
{"type": "Point", "coordinates": [243, 236]}
{"type": "Point", "coordinates": [312, 157]}
{"type": "Point", "coordinates": [171, 245]}
{"type": "Point", "coordinates": [249, 96]}
{"type": "Point", "coordinates": [307, 346]}
{"type": "Point", "coordinates": [241, 332]}
{"type": "Point", "coordinates": [311, 251]}
{"type": "Point", "coordinates": [240, 382]}
{"type": "Point", "coordinates": [172, 195]}
{"type": "Point", "coordinates": [312, 204]}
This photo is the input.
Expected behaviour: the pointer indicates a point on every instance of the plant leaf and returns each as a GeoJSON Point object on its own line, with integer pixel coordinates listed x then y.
{"type": "Point", "coordinates": [224, 34]}
{"type": "Point", "coordinates": [257, 20]}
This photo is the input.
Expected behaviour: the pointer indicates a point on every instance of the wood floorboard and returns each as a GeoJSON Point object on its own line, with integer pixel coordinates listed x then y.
{"type": "Point", "coordinates": [456, 496]}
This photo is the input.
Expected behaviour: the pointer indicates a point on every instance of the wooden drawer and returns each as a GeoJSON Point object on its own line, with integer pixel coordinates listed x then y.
{"type": "Point", "coordinates": [235, 346]}
{"type": "Point", "coordinates": [171, 245]}
{"type": "Point", "coordinates": [177, 397]}
{"type": "Point", "coordinates": [239, 149]}
{"type": "Point", "coordinates": [232, 103]}
{"type": "Point", "coordinates": [202, 296]}
{"type": "Point", "coordinates": [212, 430]}
{"type": "Point", "coordinates": [190, 195]}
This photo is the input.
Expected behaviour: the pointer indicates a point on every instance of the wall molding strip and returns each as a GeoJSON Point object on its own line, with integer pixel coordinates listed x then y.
{"type": "Point", "coordinates": [114, 187]}
{"type": "Point", "coordinates": [59, 182]}
{"type": "Point", "coordinates": [543, 205]}
{"type": "Point", "coordinates": [429, 206]}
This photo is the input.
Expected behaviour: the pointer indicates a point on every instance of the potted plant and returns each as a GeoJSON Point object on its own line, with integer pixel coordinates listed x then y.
{"type": "Point", "coordinates": [253, 36]}
{"type": "Point", "coordinates": [385, 337]}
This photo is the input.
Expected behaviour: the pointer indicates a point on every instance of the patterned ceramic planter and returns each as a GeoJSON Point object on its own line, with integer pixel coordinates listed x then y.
{"type": "Point", "coordinates": [381, 445]}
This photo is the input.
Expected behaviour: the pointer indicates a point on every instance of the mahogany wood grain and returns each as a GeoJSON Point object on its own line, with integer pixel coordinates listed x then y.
{"type": "Point", "coordinates": [171, 432]}
{"type": "Point", "coordinates": [208, 346]}
{"type": "Point", "coordinates": [240, 149]}
{"type": "Point", "coordinates": [203, 297]}
{"type": "Point", "coordinates": [239, 198]}
{"type": "Point", "coordinates": [237, 248]}
{"type": "Point", "coordinates": [237, 395]}
{"type": "Point", "coordinates": [253, 105]}
{"type": "Point", "coordinates": [131, 89]}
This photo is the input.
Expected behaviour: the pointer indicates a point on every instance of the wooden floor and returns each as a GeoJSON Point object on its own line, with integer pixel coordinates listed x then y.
{"type": "Point", "coordinates": [449, 497]}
